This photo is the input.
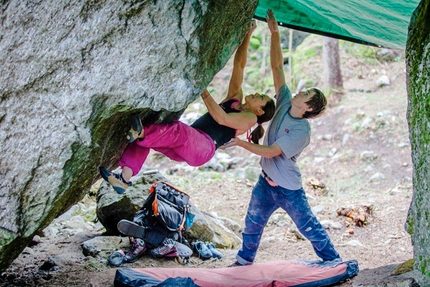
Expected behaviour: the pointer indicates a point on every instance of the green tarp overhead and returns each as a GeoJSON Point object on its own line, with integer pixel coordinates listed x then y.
{"type": "Point", "coordinates": [371, 22]}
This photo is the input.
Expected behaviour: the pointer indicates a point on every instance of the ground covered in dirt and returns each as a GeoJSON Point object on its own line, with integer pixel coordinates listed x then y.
{"type": "Point", "coordinates": [357, 173]}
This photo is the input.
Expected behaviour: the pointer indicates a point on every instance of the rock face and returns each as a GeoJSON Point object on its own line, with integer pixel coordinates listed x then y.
{"type": "Point", "coordinates": [417, 64]}
{"type": "Point", "coordinates": [72, 73]}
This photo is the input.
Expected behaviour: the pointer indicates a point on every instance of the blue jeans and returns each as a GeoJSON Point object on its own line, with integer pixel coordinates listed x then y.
{"type": "Point", "coordinates": [265, 199]}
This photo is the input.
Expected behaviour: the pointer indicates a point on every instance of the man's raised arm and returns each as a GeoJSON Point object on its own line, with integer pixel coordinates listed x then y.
{"type": "Point", "coordinates": [276, 58]}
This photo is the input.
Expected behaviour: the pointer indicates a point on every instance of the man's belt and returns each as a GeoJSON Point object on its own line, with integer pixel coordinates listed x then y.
{"type": "Point", "coordinates": [268, 179]}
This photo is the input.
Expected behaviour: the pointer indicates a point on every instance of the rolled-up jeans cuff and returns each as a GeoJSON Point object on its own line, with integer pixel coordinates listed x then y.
{"type": "Point", "coordinates": [242, 261]}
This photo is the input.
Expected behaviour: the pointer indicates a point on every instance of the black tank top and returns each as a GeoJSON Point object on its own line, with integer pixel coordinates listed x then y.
{"type": "Point", "coordinates": [219, 133]}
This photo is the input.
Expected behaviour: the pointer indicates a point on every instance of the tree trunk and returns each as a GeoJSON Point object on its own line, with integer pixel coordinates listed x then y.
{"type": "Point", "coordinates": [333, 83]}
{"type": "Point", "coordinates": [418, 81]}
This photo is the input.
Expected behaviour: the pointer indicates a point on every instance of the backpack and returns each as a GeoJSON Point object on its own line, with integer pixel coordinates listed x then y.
{"type": "Point", "coordinates": [165, 213]}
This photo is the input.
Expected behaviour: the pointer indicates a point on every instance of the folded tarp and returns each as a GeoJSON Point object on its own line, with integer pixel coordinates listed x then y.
{"type": "Point", "coordinates": [276, 273]}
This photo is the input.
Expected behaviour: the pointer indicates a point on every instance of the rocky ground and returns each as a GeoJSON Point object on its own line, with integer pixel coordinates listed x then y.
{"type": "Point", "coordinates": [359, 159]}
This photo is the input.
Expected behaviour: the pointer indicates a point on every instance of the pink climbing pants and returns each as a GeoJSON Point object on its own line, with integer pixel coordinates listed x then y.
{"type": "Point", "coordinates": [176, 140]}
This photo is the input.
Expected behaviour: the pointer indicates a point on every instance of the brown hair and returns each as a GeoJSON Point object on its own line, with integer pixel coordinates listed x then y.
{"type": "Point", "coordinates": [318, 103]}
{"type": "Point", "coordinates": [269, 112]}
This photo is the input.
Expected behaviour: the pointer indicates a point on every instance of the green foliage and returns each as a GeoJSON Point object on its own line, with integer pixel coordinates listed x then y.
{"type": "Point", "coordinates": [310, 47]}
{"type": "Point", "coordinates": [255, 42]}
{"type": "Point", "coordinates": [410, 225]}
{"type": "Point", "coordinates": [424, 267]}
{"type": "Point", "coordinates": [213, 176]}
{"type": "Point", "coordinates": [306, 54]}
{"type": "Point", "coordinates": [256, 82]}
{"type": "Point", "coordinates": [368, 54]}
{"type": "Point", "coordinates": [357, 50]}
{"type": "Point", "coordinates": [94, 265]}
{"type": "Point", "coordinates": [90, 216]}
{"type": "Point", "coordinates": [305, 62]}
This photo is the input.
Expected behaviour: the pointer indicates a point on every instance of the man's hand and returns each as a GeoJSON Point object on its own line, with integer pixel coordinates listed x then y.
{"type": "Point", "coordinates": [233, 142]}
{"type": "Point", "coordinates": [271, 22]}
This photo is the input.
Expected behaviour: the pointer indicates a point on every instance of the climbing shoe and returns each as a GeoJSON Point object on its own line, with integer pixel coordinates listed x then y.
{"type": "Point", "coordinates": [116, 180]}
{"type": "Point", "coordinates": [137, 250]}
{"type": "Point", "coordinates": [136, 129]}
{"type": "Point", "coordinates": [117, 258]}
{"type": "Point", "coordinates": [166, 249]}
{"type": "Point", "coordinates": [215, 252]}
{"type": "Point", "coordinates": [131, 228]}
{"type": "Point", "coordinates": [202, 250]}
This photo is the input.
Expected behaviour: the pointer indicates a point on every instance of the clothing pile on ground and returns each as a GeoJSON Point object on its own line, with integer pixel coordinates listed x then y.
{"type": "Point", "coordinates": [169, 248]}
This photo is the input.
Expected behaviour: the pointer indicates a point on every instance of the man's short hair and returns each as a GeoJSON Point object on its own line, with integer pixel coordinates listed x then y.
{"type": "Point", "coordinates": [318, 103]}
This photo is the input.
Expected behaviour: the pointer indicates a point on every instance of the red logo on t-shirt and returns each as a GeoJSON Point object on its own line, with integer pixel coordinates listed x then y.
{"type": "Point", "coordinates": [287, 131]}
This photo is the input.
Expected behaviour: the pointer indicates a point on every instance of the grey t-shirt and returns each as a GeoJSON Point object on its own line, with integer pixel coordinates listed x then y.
{"type": "Point", "coordinates": [292, 135]}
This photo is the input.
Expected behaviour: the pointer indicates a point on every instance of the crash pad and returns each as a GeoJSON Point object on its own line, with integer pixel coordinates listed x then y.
{"type": "Point", "coordinates": [276, 273]}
